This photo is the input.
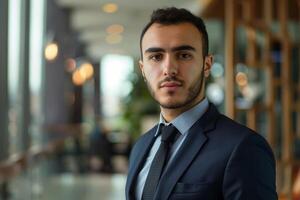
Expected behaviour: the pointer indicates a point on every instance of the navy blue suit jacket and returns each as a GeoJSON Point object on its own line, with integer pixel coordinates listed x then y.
{"type": "Point", "coordinates": [220, 159]}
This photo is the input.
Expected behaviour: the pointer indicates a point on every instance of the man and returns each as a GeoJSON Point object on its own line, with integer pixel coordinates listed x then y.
{"type": "Point", "coordinates": [209, 156]}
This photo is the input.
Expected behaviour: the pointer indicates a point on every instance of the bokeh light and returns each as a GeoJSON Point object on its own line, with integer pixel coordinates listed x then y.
{"type": "Point", "coordinates": [110, 7]}
{"type": "Point", "coordinates": [217, 70]}
{"type": "Point", "coordinates": [51, 51]}
{"type": "Point", "coordinates": [78, 77]}
{"type": "Point", "coordinates": [114, 38]}
{"type": "Point", "coordinates": [115, 29]}
{"type": "Point", "coordinates": [87, 70]}
{"type": "Point", "coordinates": [241, 79]}
{"type": "Point", "coordinates": [215, 93]}
{"type": "Point", "coordinates": [70, 64]}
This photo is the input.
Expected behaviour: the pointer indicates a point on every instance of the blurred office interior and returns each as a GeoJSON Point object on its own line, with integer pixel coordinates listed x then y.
{"type": "Point", "coordinates": [72, 100]}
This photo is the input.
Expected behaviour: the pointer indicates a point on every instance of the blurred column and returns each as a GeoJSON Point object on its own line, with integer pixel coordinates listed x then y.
{"type": "Point", "coordinates": [97, 82]}
{"type": "Point", "coordinates": [57, 82]}
{"type": "Point", "coordinates": [24, 76]}
{"type": "Point", "coordinates": [77, 108]}
{"type": "Point", "coordinates": [56, 87]}
{"type": "Point", "coordinates": [4, 143]}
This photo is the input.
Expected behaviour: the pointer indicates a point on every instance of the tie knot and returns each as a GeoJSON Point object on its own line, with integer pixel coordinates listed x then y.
{"type": "Point", "coordinates": [168, 133]}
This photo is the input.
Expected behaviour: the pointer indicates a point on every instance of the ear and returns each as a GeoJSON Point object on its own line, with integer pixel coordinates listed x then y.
{"type": "Point", "coordinates": [141, 65]}
{"type": "Point", "coordinates": [208, 62]}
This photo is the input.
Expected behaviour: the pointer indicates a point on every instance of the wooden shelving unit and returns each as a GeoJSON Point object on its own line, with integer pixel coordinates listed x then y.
{"type": "Point", "coordinates": [282, 94]}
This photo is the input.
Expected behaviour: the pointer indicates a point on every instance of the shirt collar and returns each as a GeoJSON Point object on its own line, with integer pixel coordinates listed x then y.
{"type": "Point", "coordinates": [186, 120]}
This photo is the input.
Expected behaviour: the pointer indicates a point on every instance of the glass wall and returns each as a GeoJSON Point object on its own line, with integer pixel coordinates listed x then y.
{"type": "Point", "coordinates": [14, 54]}
{"type": "Point", "coordinates": [26, 35]}
{"type": "Point", "coordinates": [36, 72]}
{"type": "Point", "coordinates": [115, 83]}
{"type": "Point", "coordinates": [3, 79]}
{"type": "Point", "coordinates": [24, 89]}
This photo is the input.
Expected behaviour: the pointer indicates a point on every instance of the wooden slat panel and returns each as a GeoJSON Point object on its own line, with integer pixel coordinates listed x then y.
{"type": "Point", "coordinates": [270, 95]}
{"type": "Point", "coordinates": [229, 57]}
{"type": "Point", "coordinates": [251, 118]}
{"type": "Point", "coordinates": [287, 147]}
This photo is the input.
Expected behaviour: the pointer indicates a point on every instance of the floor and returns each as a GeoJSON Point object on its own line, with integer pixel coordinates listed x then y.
{"type": "Point", "coordinates": [70, 187]}
{"type": "Point", "coordinates": [45, 182]}
{"type": "Point", "coordinates": [88, 187]}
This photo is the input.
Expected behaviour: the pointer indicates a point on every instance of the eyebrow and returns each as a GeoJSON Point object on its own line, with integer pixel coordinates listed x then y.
{"type": "Point", "coordinates": [184, 47]}
{"type": "Point", "coordinates": [178, 48]}
{"type": "Point", "coordinates": [154, 49]}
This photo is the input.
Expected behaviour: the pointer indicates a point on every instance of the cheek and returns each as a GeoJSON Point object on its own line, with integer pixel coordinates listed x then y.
{"type": "Point", "coordinates": [152, 74]}
{"type": "Point", "coordinates": [190, 73]}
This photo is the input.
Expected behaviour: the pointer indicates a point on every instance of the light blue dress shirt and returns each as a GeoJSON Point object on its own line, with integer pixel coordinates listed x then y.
{"type": "Point", "coordinates": [183, 123]}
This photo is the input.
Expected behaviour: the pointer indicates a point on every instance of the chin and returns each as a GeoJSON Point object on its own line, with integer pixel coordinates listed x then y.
{"type": "Point", "coordinates": [172, 105]}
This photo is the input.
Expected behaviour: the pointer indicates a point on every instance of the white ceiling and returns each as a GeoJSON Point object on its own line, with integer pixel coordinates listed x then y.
{"type": "Point", "coordinates": [91, 22]}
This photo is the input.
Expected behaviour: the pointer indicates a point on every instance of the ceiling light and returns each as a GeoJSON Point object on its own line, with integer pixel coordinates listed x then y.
{"type": "Point", "coordinates": [110, 7]}
{"type": "Point", "coordinates": [115, 29]}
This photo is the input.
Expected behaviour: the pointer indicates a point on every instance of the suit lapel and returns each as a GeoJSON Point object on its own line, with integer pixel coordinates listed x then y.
{"type": "Point", "coordinates": [139, 160]}
{"type": "Point", "coordinates": [189, 149]}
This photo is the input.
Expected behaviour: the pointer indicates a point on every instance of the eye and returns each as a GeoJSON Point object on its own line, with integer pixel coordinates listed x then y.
{"type": "Point", "coordinates": [184, 56]}
{"type": "Point", "coordinates": [156, 57]}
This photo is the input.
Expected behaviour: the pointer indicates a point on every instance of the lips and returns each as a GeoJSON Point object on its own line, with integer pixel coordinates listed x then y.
{"type": "Point", "coordinates": [170, 84]}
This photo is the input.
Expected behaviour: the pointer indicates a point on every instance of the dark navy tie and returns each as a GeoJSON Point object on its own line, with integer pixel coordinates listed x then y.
{"type": "Point", "coordinates": [168, 136]}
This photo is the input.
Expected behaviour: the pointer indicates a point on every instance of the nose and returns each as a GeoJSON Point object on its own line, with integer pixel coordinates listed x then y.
{"type": "Point", "coordinates": [170, 66]}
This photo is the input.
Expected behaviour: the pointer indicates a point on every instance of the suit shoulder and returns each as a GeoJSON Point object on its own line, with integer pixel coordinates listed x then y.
{"type": "Point", "coordinates": [231, 136]}
{"type": "Point", "coordinates": [233, 133]}
{"type": "Point", "coordinates": [232, 128]}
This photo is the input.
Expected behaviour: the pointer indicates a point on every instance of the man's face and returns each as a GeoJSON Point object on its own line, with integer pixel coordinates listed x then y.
{"type": "Point", "coordinates": [173, 64]}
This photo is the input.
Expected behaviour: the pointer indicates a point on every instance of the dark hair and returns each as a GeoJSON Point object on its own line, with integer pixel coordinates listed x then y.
{"type": "Point", "coordinates": [172, 15]}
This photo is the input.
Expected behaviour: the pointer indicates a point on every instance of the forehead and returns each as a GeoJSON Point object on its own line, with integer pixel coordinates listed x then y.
{"type": "Point", "coordinates": [168, 36]}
